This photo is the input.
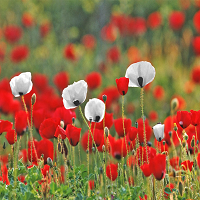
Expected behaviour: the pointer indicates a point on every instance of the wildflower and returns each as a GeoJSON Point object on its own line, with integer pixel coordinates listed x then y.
{"type": "Point", "coordinates": [95, 110]}
{"type": "Point", "coordinates": [140, 74]}
{"type": "Point", "coordinates": [111, 171]}
{"type": "Point", "coordinates": [44, 29]}
{"type": "Point", "coordinates": [170, 186]}
{"type": "Point", "coordinates": [21, 122]}
{"type": "Point", "coordinates": [22, 84]}
{"type": "Point", "coordinates": [27, 20]}
{"type": "Point", "coordinates": [74, 94]}
{"type": "Point", "coordinates": [159, 92]}
{"type": "Point", "coordinates": [73, 134]}
{"type": "Point", "coordinates": [183, 119]}
{"type": "Point", "coordinates": [12, 33]}
{"type": "Point", "coordinates": [153, 115]}
{"type": "Point", "coordinates": [89, 41]}
{"type": "Point", "coordinates": [69, 52]}
{"type": "Point", "coordinates": [174, 162]}
{"type": "Point", "coordinates": [40, 81]}
{"type": "Point", "coordinates": [196, 45]}
{"type": "Point", "coordinates": [118, 148]}
{"type": "Point", "coordinates": [196, 21]}
{"type": "Point", "coordinates": [60, 132]}
{"type": "Point", "coordinates": [158, 130]}
{"type": "Point", "coordinates": [187, 165]}
{"type": "Point", "coordinates": [176, 20]}
{"type": "Point", "coordinates": [119, 126]}
{"type": "Point", "coordinates": [61, 80]}
{"type": "Point", "coordinates": [195, 117]}
{"type": "Point", "coordinates": [154, 20]}
{"type": "Point", "coordinates": [5, 126]}
{"type": "Point", "coordinates": [93, 80]}
{"type": "Point", "coordinates": [158, 166]}
{"type": "Point", "coordinates": [19, 53]}
{"type": "Point", "coordinates": [146, 169]}
{"type": "Point", "coordinates": [11, 136]}
{"type": "Point", "coordinates": [122, 85]}
{"type": "Point", "coordinates": [113, 54]}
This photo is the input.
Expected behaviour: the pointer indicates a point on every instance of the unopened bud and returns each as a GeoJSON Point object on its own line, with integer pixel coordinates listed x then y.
{"type": "Point", "coordinates": [106, 130]}
{"type": "Point", "coordinates": [42, 156]}
{"type": "Point", "coordinates": [184, 142]}
{"type": "Point", "coordinates": [180, 187]}
{"type": "Point", "coordinates": [104, 98]}
{"type": "Point", "coordinates": [185, 136]}
{"type": "Point", "coordinates": [174, 104]}
{"type": "Point", "coordinates": [62, 124]}
{"type": "Point", "coordinates": [149, 144]}
{"type": "Point", "coordinates": [87, 151]}
{"type": "Point", "coordinates": [103, 147]}
{"type": "Point", "coordinates": [33, 99]}
{"type": "Point", "coordinates": [93, 149]}
{"type": "Point", "coordinates": [73, 120]}
{"type": "Point", "coordinates": [164, 142]}
{"type": "Point", "coordinates": [136, 124]}
{"type": "Point", "coordinates": [175, 127]}
{"type": "Point", "coordinates": [49, 162]}
{"type": "Point", "coordinates": [193, 141]}
{"type": "Point", "coordinates": [170, 134]}
{"type": "Point", "coordinates": [133, 152]}
{"type": "Point", "coordinates": [4, 145]}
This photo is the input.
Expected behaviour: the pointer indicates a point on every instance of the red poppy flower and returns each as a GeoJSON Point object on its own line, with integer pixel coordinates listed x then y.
{"type": "Point", "coordinates": [45, 170]}
{"type": "Point", "coordinates": [189, 87]}
{"type": "Point", "coordinates": [5, 174]}
{"type": "Point", "coordinates": [45, 28]}
{"type": "Point", "coordinates": [113, 54]}
{"type": "Point", "coordinates": [131, 161]}
{"type": "Point", "coordinates": [181, 102]}
{"type": "Point", "coordinates": [174, 162]}
{"type": "Point", "coordinates": [11, 136]}
{"type": "Point", "coordinates": [153, 115]}
{"type": "Point", "coordinates": [40, 81]}
{"type": "Point", "coordinates": [46, 148]}
{"type": "Point", "coordinates": [187, 165]}
{"type": "Point", "coordinates": [160, 146]}
{"type": "Point", "coordinates": [60, 132]}
{"type": "Point", "coordinates": [119, 126]}
{"type": "Point", "coordinates": [158, 166]}
{"type": "Point", "coordinates": [183, 119]}
{"type": "Point", "coordinates": [111, 171]}
{"type": "Point", "coordinates": [38, 117]}
{"type": "Point", "coordinates": [196, 21]}
{"type": "Point", "coordinates": [196, 74]}
{"type": "Point", "coordinates": [131, 181]}
{"type": "Point", "coordinates": [139, 26]}
{"type": "Point", "coordinates": [119, 148]}
{"type": "Point", "coordinates": [112, 95]}
{"type": "Point", "coordinates": [132, 133]}
{"type": "Point", "coordinates": [62, 170]}
{"type": "Point", "coordinates": [120, 21]}
{"type": "Point", "coordinates": [109, 32]}
{"type": "Point", "coordinates": [27, 20]}
{"type": "Point", "coordinates": [91, 184]}
{"type": "Point", "coordinates": [4, 159]}
{"type": "Point", "coordinates": [65, 115]}
{"type": "Point", "coordinates": [93, 80]}
{"type": "Point", "coordinates": [171, 186]}
{"type": "Point", "coordinates": [61, 80]}
{"type": "Point", "coordinates": [106, 141]}
{"type": "Point", "coordinates": [21, 122]}
{"type": "Point", "coordinates": [176, 20]}
{"type": "Point", "coordinates": [97, 135]}
{"type": "Point", "coordinates": [122, 85]}
{"type": "Point", "coordinates": [19, 53]}
{"type": "Point", "coordinates": [146, 169]}
{"type": "Point", "coordinates": [48, 128]}
{"type": "Point", "coordinates": [154, 20]}
{"type": "Point", "coordinates": [145, 197]}
{"type": "Point", "coordinates": [148, 130]}
{"type": "Point", "coordinates": [12, 33]}
{"type": "Point", "coordinates": [108, 118]}
{"type": "Point", "coordinates": [141, 154]}
{"type": "Point", "coordinates": [21, 178]}
{"type": "Point", "coordinates": [69, 52]}
{"type": "Point", "coordinates": [84, 141]}
{"type": "Point", "coordinates": [196, 45]}
{"type": "Point", "coordinates": [5, 126]}
{"type": "Point", "coordinates": [89, 41]}
{"type": "Point", "coordinates": [159, 92]}
{"type": "Point", "coordinates": [195, 117]}
{"type": "Point", "coordinates": [6, 101]}
{"type": "Point", "coordinates": [73, 134]}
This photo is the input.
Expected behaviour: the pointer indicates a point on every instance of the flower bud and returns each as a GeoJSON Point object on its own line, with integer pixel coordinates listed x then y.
{"type": "Point", "coordinates": [175, 127]}
{"type": "Point", "coordinates": [174, 104]}
{"type": "Point", "coordinates": [49, 162]}
{"type": "Point", "coordinates": [170, 134]}
{"type": "Point", "coordinates": [193, 141]}
{"type": "Point", "coordinates": [73, 120]}
{"type": "Point", "coordinates": [184, 142]}
{"type": "Point", "coordinates": [185, 136]}
{"type": "Point", "coordinates": [180, 188]}
{"type": "Point", "coordinates": [133, 152]}
{"type": "Point", "coordinates": [164, 142]}
{"type": "Point", "coordinates": [106, 130]}
{"type": "Point", "coordinates": [62, 124]}
{"type": "Point", "coordinates": [104, 98]}
{"type": "Point", "coordinates": [33, 99]}
{"type": "Point", "coordinates": [93, 149]}
{"type": "Point", "coordinates": [103, 147]}
{"type": "Point", "coordinates": [136, 124]}
{"type": "Point", "coordinates": [149, 144]}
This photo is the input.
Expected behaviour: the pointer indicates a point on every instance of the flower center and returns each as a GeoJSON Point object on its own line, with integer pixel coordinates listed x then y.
{"type": "Point", "coordinates": [97, 118]}
{"type": "Point", "coordinates": [20, 93]}
{"type": "Point", "coordinates": [140, 81]}
{"type": "Point", "coordinates": [76, 103]}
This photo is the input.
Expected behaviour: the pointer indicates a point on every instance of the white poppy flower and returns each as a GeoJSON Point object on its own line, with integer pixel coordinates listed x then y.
{"type": "Point", "coordinates": [140, 74]}
{"type": "Point", "coordinates": [158, 130]}
{"type": "Point", "coordinates": [74, 94]}
{"type": "Point", "coordinates": [22, 84]}
{"type": "Point", "coordinates": [95, 110]}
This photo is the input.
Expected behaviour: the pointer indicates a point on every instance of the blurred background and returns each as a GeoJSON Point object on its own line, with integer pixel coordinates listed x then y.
{"type": "Point", "coordinates": [80, 37]}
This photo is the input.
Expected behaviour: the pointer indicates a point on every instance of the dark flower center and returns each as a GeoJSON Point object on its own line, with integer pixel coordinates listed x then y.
{"type": "Point", "coordinates": [118, 156]}
{"type": "Point", "coordinates": [76, 102]}
{"type": "Point", "coordinates": [140, 81]}
{"type": "Point", "coordinates": [97, 118]}
{"type": "Point", "coordinates": [159, 139]}
{"type": "Point", "coordinates": [20, 93]}
{"type": "Point", "coordinates": [123, 92]}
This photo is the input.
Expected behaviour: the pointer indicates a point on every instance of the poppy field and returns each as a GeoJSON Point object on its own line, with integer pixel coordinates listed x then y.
{"type": "Point", "coordinates": [100, 99]}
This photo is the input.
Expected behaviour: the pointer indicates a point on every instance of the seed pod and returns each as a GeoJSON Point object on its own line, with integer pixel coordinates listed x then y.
{"type": "Point", "coordinates": [49, 162]}
{"type": "Point", "coordinates": [104, 98]}
{"type": "Point", "coordinates": [33, 99]}
{"type": "Point", "coordinates": [180, 187]}
{"type": "Point", "coordinates": [106, 130]}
